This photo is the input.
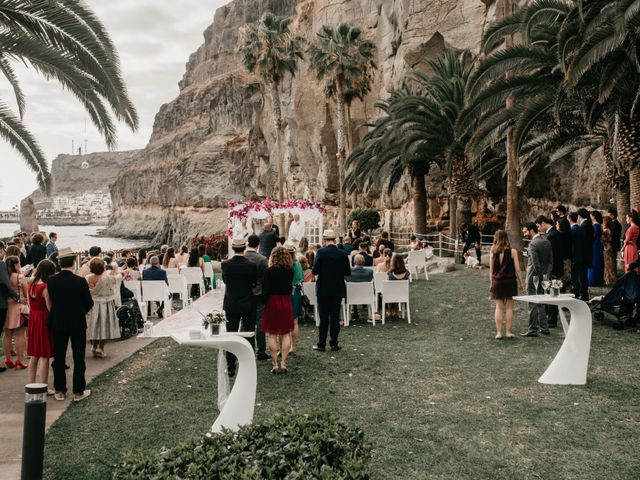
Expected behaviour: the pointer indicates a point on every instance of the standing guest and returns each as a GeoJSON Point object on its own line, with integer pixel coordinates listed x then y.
{"type": "Point", "coordinates": [359, 273]}
{"type": "Point", "coordinates": [131, 272]}
{"type": "Point", "coordinates": [577, 254]}
{"type": "Point", "coordinates": [616, 237]}
{"type": "Point", "coordinates": [277, 319]}
{"type": "Point", "coordinates": [14, 326]}
{"type": "Point", "coordinates": [540, 263]}
{"type": "Point", "coordinates": [261, 263]}
{"type": "Point", "coordinates": [564, 229]}
{"type": "Point", "coordinates": [363, 251]}
{"type": "Point", "coordinates": [354, 231]}
{"type": "Point", "coordinates": [102, 322]}
{"type": "Point", "coordinates": [398, 269]}
{"type": "Point", "coordinates": [70, 301]}
{"type": "Point", "coordinates": [20, 241]}
{"type": "Point", "coordinates": [37, 251]}
{"type": "Point", "coordinates": [297, 230]}
{"type": "Point", "coordinates": [595, 274]}
{"type": "Point", "coordinates": [331, 266]}
{"type": "Point", "coordinates": [94, 252]}
{"type": "Point", "coordinates": [40, 344]}
{"type": "Point", "coordinates": [547, 228]}
{"type": "Point", "coordinates": [163, 250]}
{"type": "Point", "coordinates": [609, 255]}
{"type": "Point", "coordinates": [51, 245]}
{"type": "Point", "coordinates": [268, 240]}
{"type": "Point", "coordinates": [631, 239]}
{"type": "Point", "coordinates": [154, 272]}
{"type": "Point", "coordinates": [296, 295]}
{"type": "Point", "coordinates": [505, 274]}
{"type": "Point", "coordinates": [240, 277]}
{"type": "Point", "coordinates": [584, 220]}
{"type": "Point", "coordinates": [142, 257]}
{"type": "Point", "coordinates": [170, 260]}
{"type": "Point", "coordinates": [471, 238]}
{"type": "Point", "coordinates": [6, 291]}
{"type": "Point", "coordinates": [385, 265]}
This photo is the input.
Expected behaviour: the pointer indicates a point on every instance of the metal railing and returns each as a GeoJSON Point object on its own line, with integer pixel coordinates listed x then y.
{"type": "Point", "coordinates": [443, 244]}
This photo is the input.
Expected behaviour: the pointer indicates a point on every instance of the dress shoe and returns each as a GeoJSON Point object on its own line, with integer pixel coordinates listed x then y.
{"type": "Point", "coordinates": [263, 356]}
{"type": "Point", "coordinates": [545, 332]}
{"type": "Point", "coordinates": [77, 397]}
{"type": "Point", "coordinates": [318, 348]}
{"type": "Point", "coordinates": [553, 325]}
{"type": "Point", "coordinates": [336, 348]}
{"type": "Point", "coordinates": [529, 334]}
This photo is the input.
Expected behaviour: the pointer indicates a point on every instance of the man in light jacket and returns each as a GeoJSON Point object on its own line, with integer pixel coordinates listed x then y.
{"type": "Point", "coordinates": [540, 263]}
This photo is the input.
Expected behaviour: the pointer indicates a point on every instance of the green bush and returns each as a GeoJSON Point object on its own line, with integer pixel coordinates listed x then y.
{"type": "Point", "coordinates": [369, 218]}
{"type": "Point", "coordinates": [288, 446]}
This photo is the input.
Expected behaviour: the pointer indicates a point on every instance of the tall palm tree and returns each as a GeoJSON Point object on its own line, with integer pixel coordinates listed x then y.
{"type": "Point", "coordinates": [271, 51]}
{"type": "Point", "coordinates": [344, 62]}
{"type": "Point", "coordinates": [62, 40]}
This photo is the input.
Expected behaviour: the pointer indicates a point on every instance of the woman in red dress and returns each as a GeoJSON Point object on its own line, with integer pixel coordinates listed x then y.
{"type": "Point", "coordinates": [630, 240]}
{"type": "Point", "coordinates": [40, 344]}
{"type": "Point", "coordinates": [277, 316]}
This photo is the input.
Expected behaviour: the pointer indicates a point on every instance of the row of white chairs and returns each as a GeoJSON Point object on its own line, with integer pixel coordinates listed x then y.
{"type": "Point", "coordinates": [417, 260]}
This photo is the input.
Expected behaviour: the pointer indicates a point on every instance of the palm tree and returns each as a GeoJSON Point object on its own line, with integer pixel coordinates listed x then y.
{"type": "Point", "coordinates": [62, 40]}
{"type": "Point", "coordinates": [271, 52]}
{"type": "Point", "coordinates": [343, 60]}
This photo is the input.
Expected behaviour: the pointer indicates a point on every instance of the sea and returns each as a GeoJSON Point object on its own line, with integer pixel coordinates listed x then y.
{"type": "Point", "coordinates": [78, 237]}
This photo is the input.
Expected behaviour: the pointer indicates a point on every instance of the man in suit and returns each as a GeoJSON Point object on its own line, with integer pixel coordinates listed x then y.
{"type": "Point", "coordinates": [71, 301]}
{"type": "Point", "coordinates": [587, 227]}
{"type": "Point", "coordinates": [261, 263]}
{"type": "Point", "coordinates": [359, 273]}
{"type": "Point", "coordinates": [268, 240]}
{"type": "Point", "coordinates": [471, 238]}
{"type": "Point", "coordinates": [564, 229]}
{"type": "Point", "coordinates": [616, 237]}
{"type": "Point", "coordinates": [578, 269]}
{"type": "Point", "coordinates": [6, 291]}
{"type": "Point", "coordinates": [51, 245]}
{"type": "Point", "coordinates": [240, 276]}
{"type": "Point", "coordinates": [331, 266]}
{"type": "Point", "coordinates": [539, 263]}
{"type": "Point", "coordinates": [362, 252]}
{"type": "Point", "coordinates": [154, 272]}
{"type": "Point", "coordinates": [546, 228]}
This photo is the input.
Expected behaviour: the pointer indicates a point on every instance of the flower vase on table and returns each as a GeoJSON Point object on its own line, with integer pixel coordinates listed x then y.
{"type": "Point", "coordinates": [214, 321]}
{"type": "Point", "coordinates": [556, 286]}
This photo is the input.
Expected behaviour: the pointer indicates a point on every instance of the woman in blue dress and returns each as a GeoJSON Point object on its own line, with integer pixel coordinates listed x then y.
{"type": "Point", "coordinates": [596, 272]}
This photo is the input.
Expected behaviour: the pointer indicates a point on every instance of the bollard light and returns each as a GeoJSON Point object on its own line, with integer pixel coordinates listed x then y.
{"type": "Point", "coordinates": [35, 414]}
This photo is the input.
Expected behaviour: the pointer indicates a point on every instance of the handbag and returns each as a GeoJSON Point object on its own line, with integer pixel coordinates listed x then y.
{"type": "Point", "coordinates": [24, 309]}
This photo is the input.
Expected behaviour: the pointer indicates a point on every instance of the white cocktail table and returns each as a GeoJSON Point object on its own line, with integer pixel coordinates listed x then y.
{"type": "Point", "coordinates": [238, 407]}
{"type": "Point", "coordinates": [569, 367]}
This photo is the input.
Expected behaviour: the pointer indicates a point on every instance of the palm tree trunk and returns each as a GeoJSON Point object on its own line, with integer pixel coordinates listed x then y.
{"type": "Point", "coordinates": [463, 215]}
{"type": "Point", "coordinates": [419, 201]}
{"type": "Point", "coordinates": [341, 127]}
{"type": "Point", "coordinates": [617, 177]}
{"type": "Point", "coordinates": [276, 116]}
{"type": "Point", "coordinates": [628, 155]}
{"type": "Point", "coordinates": [453, 215]}
{"type": "Point", "coordinates": [623, 198]}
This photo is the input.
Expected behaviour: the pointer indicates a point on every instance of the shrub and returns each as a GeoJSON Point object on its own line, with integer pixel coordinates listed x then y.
{"type": "Point", "coordinates": [369, 218]}
{"type": "Point", "coordinates": [288, 446]}
{"type": "Point", "coordinates": [217, 245]}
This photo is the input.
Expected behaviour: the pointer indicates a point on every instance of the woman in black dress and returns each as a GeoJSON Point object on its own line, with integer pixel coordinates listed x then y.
{"type": "Point", "coordinates": [277, 316]}
{"type": "Point", "coordinates": [505, 273]}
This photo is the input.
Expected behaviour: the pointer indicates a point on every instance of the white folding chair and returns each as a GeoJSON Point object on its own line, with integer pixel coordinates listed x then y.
{"type": "Point", "coordinates": [136, 288]}
{"type": "Point", "coordinates": [194, 276]}
{"type": "Point", "coordinates": [378, 278]}
{"type": "Point", "coordinates": [417, 261]}
{"type": "Point", "coordinates": [208, 273]}
{"type": "Point", "coordinates": [360, 293]}
{"type": "Point", "coordinates": [396, 291]}
{"type": "Point", "coordinates": [309, 290]}
{"type": "Point", "coordinates": [172, 271]}
{"type": "Point", "coordinates": [157, 291]}
{"type": "Point", "coordinates": [178, 284]}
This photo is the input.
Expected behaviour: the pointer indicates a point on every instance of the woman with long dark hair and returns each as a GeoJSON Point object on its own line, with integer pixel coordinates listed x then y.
{"type": "Point", "coordinates": [595, 273]}
{"type": "Point", "coordinates": [142, 257]}
{"type": "Point", "coordinates": [169, 260]}
{"type": "Point", "coordinates": [40, 338]}
{"type": "Point", "coordinates": [15, 325]}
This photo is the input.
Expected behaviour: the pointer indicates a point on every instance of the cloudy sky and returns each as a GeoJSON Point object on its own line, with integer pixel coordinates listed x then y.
{"type": "Point", "coordinates": [154, 39]}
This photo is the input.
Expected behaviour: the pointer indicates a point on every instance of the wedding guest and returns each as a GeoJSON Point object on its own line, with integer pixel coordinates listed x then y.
{"type": "Point", "coordinates": [414, 244]}
{"type": "Point", "coordinates": [585, 224]}
{"type": "Point", "coordinates": [182, 258]}
{"type": "Point", "coordinates": [163, 251]}
{"type": "Point", "coordinates": [154, 272]}
{"type": "Point", "coordinates": [363, 251]}
{"type": "Point", "coordinates": [505, 274]}
{"type": "Point", "coordinates": [398, 269]}
{"type": "Point", "coordinates": [51, 244]}
{"type": "Point", "coordinates": [331, 266]}
{"type": "Point", "coordinates": [102, 322]}
{"type": "Point", "coordinates": [296, 295]}
{"type": "Point", "coordinates": [131, 272]}
{"type": "Point", "coordinates": [595, 274]}
{"type": "Point", "coordinates": [268, 240]}
{"type": "Point", "coordinates": [385, 265]}
{"type": "Point", "coordinates": [277, 319]}
{"type": "Point", "coordinates": [540, 255]}
{"type": "Point", "coordinates": [169, 259]}
{"type": "Point", "coordinates": [14, 325]}
{"type": "Point", "coordinates": [609, 255]}
{"type": "Point", "coordinates": [385, 242]}
{"type": "Point", "coordinates": [297, 230]}
{"type": "Point", "coordinates": [471, 237]}
{"type": "Point", "coordinates": [6, 292]}
{"type": "Point", "coordinates": [37, 251]}
{"type": "Point", "coordinates": [94, 252]}
{"type": "Point", "coordinates": [346, 245]}
{"type": "Point", "coordinates": [359, 273]}
{"type": "Point", "coordinates": [261, 262]}
{"type": "Point", "coordinates": [548, 229]}
{"type": "Point", "coordinates": [577, 255]}
{"type": "Point", "coordinates": [18, 241]}
{"type": "Point", "coordinates": [70, 301]}
{"type": "Point", "coordinates": [142, 257]}
{"type": "Point", "coordinates": [240, 277]}
{"type": "Point", "coordinates": [40, 338]}
{"type": "Point", "coordinates": [306, 268]}
{"type": "Point", "coordinates": [631, 239]}
{"type": "Point", "coordinates": [616, 237]}
{"type": "Point", "coordinates": [202, 251]}
{"type": "Point", "coordinates": [564, 229]}
{"type": "Point", "coordinates": [303, 246]}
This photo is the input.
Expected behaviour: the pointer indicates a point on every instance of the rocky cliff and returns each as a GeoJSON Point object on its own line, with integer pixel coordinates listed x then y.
{"type": "Point", "coordinates": [213, 142]}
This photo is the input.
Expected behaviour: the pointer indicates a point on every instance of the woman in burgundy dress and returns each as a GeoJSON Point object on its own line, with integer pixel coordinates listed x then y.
{"type": "Point", "coordinates": [40, 344]}
{"type": "Point", "coordinates": [277, 316]}
{"type": "Point", "coordinates": [505, 273]}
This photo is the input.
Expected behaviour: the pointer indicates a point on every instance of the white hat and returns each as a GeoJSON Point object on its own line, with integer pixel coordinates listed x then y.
{"type": "Point", "coordinates": [329, 235]}
{"type": "Point", "coordinates": [66, 252]}
{"type": "Point", "coordinates": [238, 242]}
{"type": "Point", "coordinates": [290, 247]}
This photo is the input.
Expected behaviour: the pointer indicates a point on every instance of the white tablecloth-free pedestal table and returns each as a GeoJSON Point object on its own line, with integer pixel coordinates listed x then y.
{"type": "Point", "coordinates": [238, 407]}
{"type": "Point", "coordinates": [569, 367]}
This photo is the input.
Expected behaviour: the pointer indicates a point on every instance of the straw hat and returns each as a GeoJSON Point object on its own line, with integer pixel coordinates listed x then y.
{"type": "Point", "coordinates": [290, 247]}
{"type": "Point", "coordinates": [238, 242]}
{"type": "Point", "coordinates": [329, 235]}
{"type": "Point", "coordinates": [66, 252]}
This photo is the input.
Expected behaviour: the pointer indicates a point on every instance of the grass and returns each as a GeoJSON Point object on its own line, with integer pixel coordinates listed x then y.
{"type": "Point", "coordinates": [438, 399]}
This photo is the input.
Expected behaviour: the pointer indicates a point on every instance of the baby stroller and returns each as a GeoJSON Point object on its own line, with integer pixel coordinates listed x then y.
{"type": "Point", "coordinates": [619, 302]}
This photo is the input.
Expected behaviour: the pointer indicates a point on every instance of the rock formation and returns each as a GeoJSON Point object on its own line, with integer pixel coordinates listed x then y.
{"type": "Point", "coordinates": [213, 142]}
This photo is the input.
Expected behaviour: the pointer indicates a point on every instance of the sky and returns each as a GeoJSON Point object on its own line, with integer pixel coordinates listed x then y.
{"type": "Point", "coordinates": [154, 39]}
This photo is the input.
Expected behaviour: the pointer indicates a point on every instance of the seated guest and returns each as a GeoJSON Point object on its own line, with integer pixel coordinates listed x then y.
{"type": "Point", "coordinates": [142, 257]}
{"type": "Point", "coordinates": [346, 244]}
{"type": "Point", "coordinates": [163, 251]}
{"type": "Point", "coordinates": [385, 265]}
{"type": "Point", "coordinates": [385, 242]}
{"type": "Point", "coordinates": [306, 269]}
{"type": "Point", "coordinates": [93, 253]}
{"type": "Point", "coordinates": [414, 244]}
{"type": "Point", "coordinates": [359, 273]}
{"type": "Point", "coordinates": [362, 250]}
{"type": "Point", "coordinates": [183, 256]}
{"type": "Point", "coordinates": [202, 251]}
{"type": "Point", "coordinates": [154, 272]}
{"type": "Point", "coordinates": [130, 271]}
{"type": "Point", "coordinates": [170, 260]}
{"type": "Point", "coordinates": [195, 260]}
{"type": "Point", "coordinates": [398, 270]}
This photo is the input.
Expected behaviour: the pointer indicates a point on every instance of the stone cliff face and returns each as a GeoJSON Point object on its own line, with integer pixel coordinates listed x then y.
{"type": "Point", "coordinates": [213, 142]}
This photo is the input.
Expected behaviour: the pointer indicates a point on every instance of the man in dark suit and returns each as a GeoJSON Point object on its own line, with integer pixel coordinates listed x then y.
{"type": "Point", "coordinates": [6, 291]}
{"type": "Point", "coordinates": [71, 301]}
{"type": "Point", "coordinates": [471, 238]}
{"type": "Point", "coordinates": [616, 237]}
{"type": "Point", "coordinates": [359, 273]}
{"type": "Point", "coordinates": [240, 276]}
{"type": "Point", "coordinates": [587, 227]}
{"type": "Point", "coordinates": [539, 263]}
{"type": "Point", "coordinates": [331, 266]}
{"type": "Point", "coordinates": [261, 264]}
{"type": "Point", "coordinates": [362, 252]}
{"type": "Point", "coordinates": [154, 272]}
{"type": "Point", "coordinates": [268, 240]}
{"type": "Point", "coordinates": [578, 268]}
{"type": "Point", "coordinates": [546, 227]}
{"type": "Point", "coordinates": [564, 229]}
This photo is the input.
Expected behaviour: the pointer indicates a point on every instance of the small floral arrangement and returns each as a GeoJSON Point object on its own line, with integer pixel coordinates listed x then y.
{"type": "Point", "coordinates": [556, 285]}
{"type": "Point", "coordinates": [213, 321]}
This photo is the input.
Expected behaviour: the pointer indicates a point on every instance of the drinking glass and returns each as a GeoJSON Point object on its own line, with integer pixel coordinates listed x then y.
{"type": "Point", "coordinates": [536, 282]}
{"type": "Point", "coordinates": [546, 285]}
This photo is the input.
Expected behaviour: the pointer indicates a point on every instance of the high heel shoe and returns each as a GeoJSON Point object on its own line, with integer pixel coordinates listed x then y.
{"type": "Point", "coordinates": [19, 364]}
{"type": "Point", "coordinates": [284, 370]}
{"type": "Point", "coordinates": [9, 363]}
{"type": "Point", "coordinates": [275, 370]}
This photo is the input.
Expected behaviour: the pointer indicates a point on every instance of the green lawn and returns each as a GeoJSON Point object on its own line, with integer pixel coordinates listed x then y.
{"type": "Point", "coordinates": [438, 399]}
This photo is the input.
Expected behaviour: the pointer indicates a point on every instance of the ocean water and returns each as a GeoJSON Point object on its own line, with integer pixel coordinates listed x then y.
{"type": "Point", "coordinates": [79, 238]}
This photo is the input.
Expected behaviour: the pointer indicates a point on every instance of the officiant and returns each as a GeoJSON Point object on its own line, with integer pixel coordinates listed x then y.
{"type": "Point", "coordinates": [297, 229]}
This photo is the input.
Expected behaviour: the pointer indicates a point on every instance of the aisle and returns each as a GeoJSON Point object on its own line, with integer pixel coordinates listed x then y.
{"type": "Point", "coordinates": [190, 318]}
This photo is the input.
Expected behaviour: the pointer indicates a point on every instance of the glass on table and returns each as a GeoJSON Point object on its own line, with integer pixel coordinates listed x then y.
{"type": "Point", "coordinates": [536, 282]}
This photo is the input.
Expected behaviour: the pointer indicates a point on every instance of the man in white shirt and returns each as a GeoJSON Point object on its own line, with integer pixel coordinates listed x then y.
{"type": "Point", "coordinates": [296, 230]}
{"type": "Point", "coordinates": [242, 229]}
